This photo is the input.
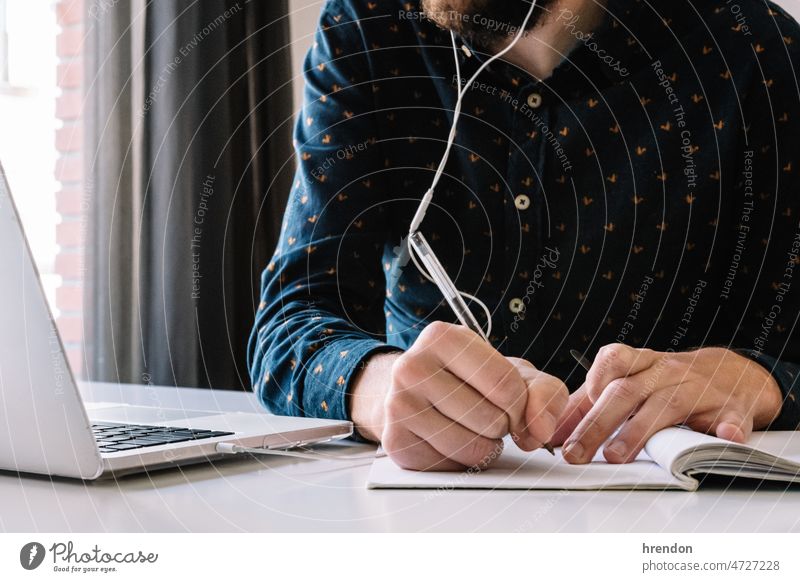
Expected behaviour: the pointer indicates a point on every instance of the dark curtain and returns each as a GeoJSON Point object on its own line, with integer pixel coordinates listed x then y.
{"type": "Point", "coordinates": [189, 161]}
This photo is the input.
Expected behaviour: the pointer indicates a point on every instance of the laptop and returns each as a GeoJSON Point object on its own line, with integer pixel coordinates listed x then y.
{"type": "Point", "coordinates": [47, 429]}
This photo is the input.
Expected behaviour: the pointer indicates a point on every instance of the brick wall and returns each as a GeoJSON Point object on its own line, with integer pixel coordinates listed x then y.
{"type": "Point", "coordinates": [70, 200]}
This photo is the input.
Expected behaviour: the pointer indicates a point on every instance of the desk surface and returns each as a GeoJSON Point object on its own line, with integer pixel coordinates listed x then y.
{"type": "Point", "coordinates": [281, 494]}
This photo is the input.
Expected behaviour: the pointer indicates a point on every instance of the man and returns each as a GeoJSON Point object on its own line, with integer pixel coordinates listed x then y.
{"type": "Point", "coordinates": [624, 183]}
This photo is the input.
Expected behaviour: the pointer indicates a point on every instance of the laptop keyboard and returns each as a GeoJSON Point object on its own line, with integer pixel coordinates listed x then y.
{"type": "Point", "coordinates": [115, 438]}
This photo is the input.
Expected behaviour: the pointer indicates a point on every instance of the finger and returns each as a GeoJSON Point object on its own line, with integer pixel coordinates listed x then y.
{"type": "Point", "coordinates": [616, 403]}
{"type": "Point", "coordinates": [452, 440]}
{"type": "Point", "coordinates": [547, 399]}
{"type": "Point", "coordinates": [411, 452]}
{"type": "Point", "coordinates": [663, 409]}
{"type": "Point", "coordinates": [423, 378]}
{"type": "Point", "coordinates": [578, 405]}
{"type": "Point", "coordinates": [465, 405]}
{"type": "Point", "coordinates": [615, 361]}
{"type": "Point", "coordinates": [734, 426]}
{"type": "Point", "coordinates": [466, 355]}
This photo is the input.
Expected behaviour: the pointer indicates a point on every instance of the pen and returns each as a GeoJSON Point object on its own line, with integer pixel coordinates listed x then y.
{"type": "Point", "coordinates": [454, 299]}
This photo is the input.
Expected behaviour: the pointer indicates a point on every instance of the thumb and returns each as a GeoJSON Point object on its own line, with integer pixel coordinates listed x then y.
{"type": "Point", "coordinates": [734, 426]}
{"type": "Point", "coordinates": [547, 398]}
{"type": "Point", "coordinates": [519, 431]}
{"type": "Point", "coordinates": [578, 406]}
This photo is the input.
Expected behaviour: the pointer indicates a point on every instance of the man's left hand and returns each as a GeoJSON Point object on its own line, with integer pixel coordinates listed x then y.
{"type": "Point", "coordinates": [711, 390]}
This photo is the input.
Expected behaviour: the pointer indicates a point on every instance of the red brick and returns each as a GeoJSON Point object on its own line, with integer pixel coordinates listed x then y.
{"type": "Point", "coordinates": [70, 234]}
{"type": "Point", "coordinates": [69, 168]}
{"type": "Point", "coordinates": [69, 201]}
{"type": "Point", "coordinates": [70, 265]}
{"type": "Point", "coordinates": [70, 138]}
{"type": "Point", "coordinates": [69, 104]}
{"type": "Point", "coordinates": [69, 298]}
{"type": "Point", "coordinates": [75, 358]}
{"type": "Point", "coordinates": [70, 42]}
{"type": "Point", "coordinates": [70, 327]}
{"type": "Point", "coordinates": [70, 73]}
{"type": "Point", "coordinates": [69, 12]}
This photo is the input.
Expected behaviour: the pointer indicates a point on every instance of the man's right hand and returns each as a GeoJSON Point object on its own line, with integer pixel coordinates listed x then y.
{"type": "Point", "coordinates": [453, 398]}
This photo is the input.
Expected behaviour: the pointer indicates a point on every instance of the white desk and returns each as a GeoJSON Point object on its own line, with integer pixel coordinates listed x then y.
{"type": "Point", "coordinates": [281, 494]}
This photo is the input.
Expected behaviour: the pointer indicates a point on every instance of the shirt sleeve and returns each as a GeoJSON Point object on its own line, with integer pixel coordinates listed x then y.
{"type": "Point", "coordinates": [322, 295]}
{"type": "Point", "coordinates": [766, 264]}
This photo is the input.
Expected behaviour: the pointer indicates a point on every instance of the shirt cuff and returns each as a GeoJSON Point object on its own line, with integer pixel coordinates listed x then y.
{"type": "Point", "coordinates": [786, 375]}
{"type": "Point", "coordinates": [326, 393]}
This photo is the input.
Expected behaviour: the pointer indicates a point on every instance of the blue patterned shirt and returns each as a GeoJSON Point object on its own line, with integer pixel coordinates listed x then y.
{"type": "Point", "coordinates": [645, 193]}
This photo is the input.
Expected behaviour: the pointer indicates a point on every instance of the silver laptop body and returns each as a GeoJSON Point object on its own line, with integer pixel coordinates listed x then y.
{"type": "Point", "coordinates": [45, 427]}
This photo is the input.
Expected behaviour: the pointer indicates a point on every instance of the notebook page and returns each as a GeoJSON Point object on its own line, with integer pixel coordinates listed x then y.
{"type": "Point", "coordinates": [783, 444]}
{"type": "Point", "coordinates": [670, 443]}
{"type": "Point", "coordinates": [517, 469]}
{"type": "Point", "coordinates": [723, 457]}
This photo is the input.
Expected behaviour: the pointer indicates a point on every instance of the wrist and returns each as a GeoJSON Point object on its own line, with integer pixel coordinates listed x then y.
{"type": "Point", "coordinates": [769, 397]}
{"type": "Point", "coordinates": [368, 394]}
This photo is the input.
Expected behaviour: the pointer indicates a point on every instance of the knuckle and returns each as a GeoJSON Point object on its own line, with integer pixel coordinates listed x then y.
{"type": "Point", "coordinates": [495, 426]}
{"type": "Point", "coordinates": [558, 389]}
{"type": "Point", "coordinates": [434, 332]}
{"type": "Point", "coordinates": [550, 391]}
{"type": "Point", "coordinates": [508, 388]}
{"type": "Point", "coordinates": [594, 391]}
{"type": "Point", "coordinates": [670, 364]}
{"type": "Point", "coordinates": [407, 369]}
{"type": "Point", "coordinates": [622, 389]}
{"type": "Point", "coordinates": [588, 430]}
{"type": "Point", "coordinates": [614, 356]}
{"type": "Point", "coordinates": [669, 400]}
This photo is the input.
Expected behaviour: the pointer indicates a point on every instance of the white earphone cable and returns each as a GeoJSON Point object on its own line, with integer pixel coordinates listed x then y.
{"type": "Point", "coordinates": [419, 216]}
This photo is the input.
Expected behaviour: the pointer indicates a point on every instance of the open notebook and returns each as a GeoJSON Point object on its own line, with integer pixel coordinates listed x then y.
{"type": "Point", "coordinates": [671, 460]}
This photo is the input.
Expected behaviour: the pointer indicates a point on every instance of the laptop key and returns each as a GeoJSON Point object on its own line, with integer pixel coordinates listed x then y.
{"type": "Point", "coordinates": [165, 439]}
{"type": "Point", "coordinates": [117, 438]}
{"type": "Point", "coordinates": [121, 447]}
{"type": "Point", "coordinates": [139, 443]}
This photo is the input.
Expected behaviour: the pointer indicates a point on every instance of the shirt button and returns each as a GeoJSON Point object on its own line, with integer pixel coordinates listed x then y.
{"type": "Point", "coordinates": [522, 202]}
{"type": "Point", "coordinates": [516, 305]}
{"type": "Point", "coordinates": [534, 100]}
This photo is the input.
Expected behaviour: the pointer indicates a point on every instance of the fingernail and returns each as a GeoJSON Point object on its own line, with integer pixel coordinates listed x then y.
{"type": "Point", "coordinates": [619, 448]}
{"type": "Point", "coordinates": [574, 449]}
